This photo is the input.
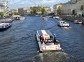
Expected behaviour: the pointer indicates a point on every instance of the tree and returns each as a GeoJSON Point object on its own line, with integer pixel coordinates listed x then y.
{"type": "Point", "coordinates": [33, 11]}
{"type": "Point", "coordinates": [1, 14]}
{"type": "Point", "coordinates": [42, 11]}
{"type": "Point", "coordinates": [16, 13]}
{"type": "Point", "coordinates": [59, 11]}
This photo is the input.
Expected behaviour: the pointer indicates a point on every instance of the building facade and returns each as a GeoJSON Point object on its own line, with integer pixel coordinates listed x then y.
{"type": "Point", "coordinates": [28, 10]}
{"type": "Point", "coordinates": [4, 7]}
{"type": "Point", "coordinates": [24, 11]}
{"type": "Point", "coordinates": [56, 7]}
{"type": "Point", "coordinates": [73, 7]}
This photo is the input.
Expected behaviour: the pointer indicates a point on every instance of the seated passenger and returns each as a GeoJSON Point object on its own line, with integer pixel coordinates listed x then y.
{"type": "Point", "coordinates": [41, 39]}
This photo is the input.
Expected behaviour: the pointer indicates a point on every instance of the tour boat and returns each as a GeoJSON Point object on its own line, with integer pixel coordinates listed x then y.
{"type": "Point", "coordinates": [47, 41]}
{"type": "Point", "coordinates": [4, 26]}
{"type": "Point", "coordinates": [78, 21]}
{"type": "Point", "coordinates": [63, 24]}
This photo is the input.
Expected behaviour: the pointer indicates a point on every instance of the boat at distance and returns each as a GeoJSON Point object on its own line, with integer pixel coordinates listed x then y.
{"type": "Point", "coordinates": [4, 26]}
{"type": "Point", "coordinates": [63, 24]}
{"type": "Point", "coordinates": [78, 21]}
{"type": "Point", "coordinates": [17, 17]}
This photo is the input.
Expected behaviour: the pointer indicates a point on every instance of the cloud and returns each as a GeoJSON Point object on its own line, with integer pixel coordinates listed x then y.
{"type": "Point", "coordinates": [23, 3]}
{"type": "Point", "coordinates": [50, 2]}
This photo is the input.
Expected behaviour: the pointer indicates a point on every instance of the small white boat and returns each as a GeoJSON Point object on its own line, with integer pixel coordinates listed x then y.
{"type": "Point", "coordinates": [63, 24]}
{"type": "Point", "coordinates": [56, 17]}
{"type": "Point", "coordinates": [47, 41]}
{"type": "Point", "coordinates": [17, 17]}
{"type": "Point", "coordinates": [78, 21]}
{"type": "Point", "coordinates": [4, 26]}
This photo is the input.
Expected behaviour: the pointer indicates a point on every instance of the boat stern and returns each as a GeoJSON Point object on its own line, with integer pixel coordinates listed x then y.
{"type": "Point", "coordinates": [53, 47]}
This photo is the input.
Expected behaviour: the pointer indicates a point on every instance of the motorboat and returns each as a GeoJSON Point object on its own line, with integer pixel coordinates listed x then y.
{"type": "Point", "coordinates": [47, 41]}
{"type": "Point", "coordinates": [4, 26]}
{"type": "Point", "coordinates": [17, 17]}
{"type": "Point", "coordinates": [56, 17]}
{"type": "Point", "coordinates": [63, 24]}
{"type": "Point", "coordinates": [78, 21]}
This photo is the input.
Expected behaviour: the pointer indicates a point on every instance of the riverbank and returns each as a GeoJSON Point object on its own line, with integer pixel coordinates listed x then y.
{"type": "Point", "coordinates": [6, 20]}
{"type": "Point", "coordinates": [72, 18]}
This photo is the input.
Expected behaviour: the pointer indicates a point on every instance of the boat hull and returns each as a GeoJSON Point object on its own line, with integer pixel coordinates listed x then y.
{"type": "Point", "coordinates": [4, 27]}
{"type": "Point", "coordinates": [78, 22]}
{"type": "Point", "coordinates": [63, 25]}
{"type": "Point", "coordinates": [43, 47]}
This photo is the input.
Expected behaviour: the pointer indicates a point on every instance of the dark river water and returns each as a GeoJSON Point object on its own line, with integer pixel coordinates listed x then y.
{"type": "Point", "coordinates": [18, 44]}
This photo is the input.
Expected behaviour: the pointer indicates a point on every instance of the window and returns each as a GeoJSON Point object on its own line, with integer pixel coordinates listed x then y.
{"type": "Point", "coordinates": [81, 8]}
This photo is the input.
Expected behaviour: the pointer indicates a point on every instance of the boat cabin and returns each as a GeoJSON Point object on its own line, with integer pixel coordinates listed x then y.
{"type": "Point", "coordinates": [45, 36]}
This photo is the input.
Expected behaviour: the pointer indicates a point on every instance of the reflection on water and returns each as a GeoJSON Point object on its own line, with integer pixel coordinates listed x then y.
{"type": "Point", "coordinates": [66, 27]}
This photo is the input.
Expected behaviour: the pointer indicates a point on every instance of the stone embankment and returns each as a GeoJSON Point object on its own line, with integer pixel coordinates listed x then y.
{"type": "Point", "coordinates": [6, 20]}
{"type": "Point", "coordinates": [72, 18]}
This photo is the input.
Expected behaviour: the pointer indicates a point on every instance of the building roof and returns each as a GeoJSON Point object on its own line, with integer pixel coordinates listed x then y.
{"type": "Point", "coordinates": [42, 32]}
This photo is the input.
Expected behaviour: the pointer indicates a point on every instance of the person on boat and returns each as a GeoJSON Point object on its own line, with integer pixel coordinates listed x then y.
{"type": "Point", "coordinates": [54, 39]}
{"type": "Point", "coordinates": [41, 39]}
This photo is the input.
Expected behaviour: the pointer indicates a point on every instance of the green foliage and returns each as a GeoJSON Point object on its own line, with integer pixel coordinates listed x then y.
{"type": "Point", "coordinates": [42, 11]}
{"type": "Point", "coordinates": [1, 14]}
{"type": "Point", "coordinates": [35, 10]}
{"type": "Point", "coordinates": [16, 13]}
{"type": "Point", "coordinates": [59, 11]}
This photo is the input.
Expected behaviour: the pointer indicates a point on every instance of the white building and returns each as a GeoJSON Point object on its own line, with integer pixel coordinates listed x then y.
{"type": "Point", "coordinates": [4, 7]}
{"type": "Point", "coordinates": [57, 6]}
{"type": "Point", "coordinates": [24, 11]}
{"type": "Point", "coordinates": [73, 7]}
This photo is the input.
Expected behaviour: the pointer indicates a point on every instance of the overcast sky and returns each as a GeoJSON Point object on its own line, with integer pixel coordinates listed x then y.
{"type": "Point", "coordinates": [25, 3]}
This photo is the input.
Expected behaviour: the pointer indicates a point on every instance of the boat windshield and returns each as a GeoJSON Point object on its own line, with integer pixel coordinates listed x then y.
{"type": "Point", "coordinates": [49, 40]}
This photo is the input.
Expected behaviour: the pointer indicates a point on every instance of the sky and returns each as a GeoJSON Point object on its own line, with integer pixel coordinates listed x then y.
{"type": "Point", "coordinates": [26, 3]}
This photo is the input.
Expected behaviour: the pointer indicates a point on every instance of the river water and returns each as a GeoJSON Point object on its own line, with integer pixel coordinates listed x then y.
{"type": "Point", "coordinates": [18, 44]}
